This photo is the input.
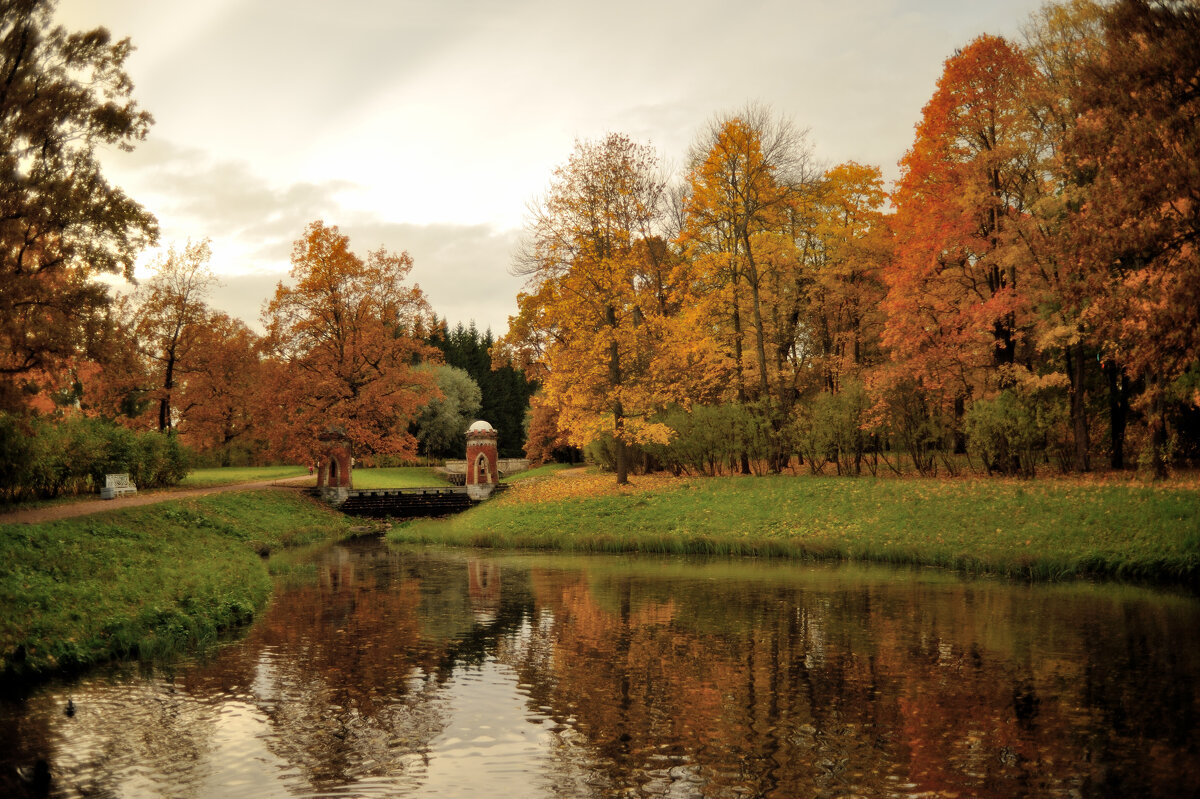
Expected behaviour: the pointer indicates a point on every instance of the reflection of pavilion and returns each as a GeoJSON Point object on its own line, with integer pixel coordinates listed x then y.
{"type": "Point", "coordinates": [483, 588]}
{"type": "Point", "coordinates": [337, 570]}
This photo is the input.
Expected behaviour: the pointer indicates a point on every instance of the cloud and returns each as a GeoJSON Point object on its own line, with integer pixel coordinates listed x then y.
{"type": "Point", "coordinates": [195, 194]}
{"type": "Point", "coordinates": [463, 269]}
{"type": "Point", "coordinates": [253, 223]}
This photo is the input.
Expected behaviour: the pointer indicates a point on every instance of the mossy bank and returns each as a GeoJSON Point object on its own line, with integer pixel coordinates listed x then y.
{"type": "Point", "coordinates": [144, 580]}
{"type": "Point", "coordinates": [1049, 529]}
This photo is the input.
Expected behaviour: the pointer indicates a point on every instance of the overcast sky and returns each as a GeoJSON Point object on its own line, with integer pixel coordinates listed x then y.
{"type": "Point", "coordinates": [430, 126]}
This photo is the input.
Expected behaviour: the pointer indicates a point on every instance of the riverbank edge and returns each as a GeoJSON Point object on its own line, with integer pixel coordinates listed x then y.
{"type": "Point", "coordinates": [1021, 530]}
{"type": "Point", "coordinates": [150, 580]}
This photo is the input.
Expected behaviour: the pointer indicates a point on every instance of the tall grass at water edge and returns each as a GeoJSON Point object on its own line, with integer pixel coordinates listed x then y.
{"type": "Point", "coordinates": [1050, 529]}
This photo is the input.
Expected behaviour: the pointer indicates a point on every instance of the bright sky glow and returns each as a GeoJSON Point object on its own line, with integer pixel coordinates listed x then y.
{"type": "Point", "coordinates": [430, 126]}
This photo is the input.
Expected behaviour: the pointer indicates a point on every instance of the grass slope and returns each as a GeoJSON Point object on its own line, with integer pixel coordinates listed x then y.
{"type": "Point", "coordinates": [146, 580]}
{"type": "Point", "coordinates": [1040, 530]}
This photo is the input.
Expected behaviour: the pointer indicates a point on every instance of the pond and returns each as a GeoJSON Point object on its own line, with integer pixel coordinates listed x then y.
{"type": "Point", "coordinates": [380, 671]}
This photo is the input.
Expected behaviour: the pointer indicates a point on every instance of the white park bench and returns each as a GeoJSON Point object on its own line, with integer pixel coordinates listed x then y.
{"type": "Point", "coordinates": [117, 485]}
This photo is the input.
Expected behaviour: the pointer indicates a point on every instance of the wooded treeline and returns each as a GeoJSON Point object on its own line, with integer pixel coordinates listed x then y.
{"type": "Point", "coordinates": [1027, 293]}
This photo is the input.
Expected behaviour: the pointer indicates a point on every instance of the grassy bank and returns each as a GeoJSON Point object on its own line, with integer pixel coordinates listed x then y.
{"type": "Point", "coordinates": [1047, 529]}
{"type": "Point", "coordinates": [149, 580]}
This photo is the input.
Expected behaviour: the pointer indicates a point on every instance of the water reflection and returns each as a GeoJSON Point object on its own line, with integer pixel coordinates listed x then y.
{"type": "Point", "coordinates": [397, 672]}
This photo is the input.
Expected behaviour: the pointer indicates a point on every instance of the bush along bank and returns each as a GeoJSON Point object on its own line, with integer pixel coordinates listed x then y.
{"type": "Point", "coordinates": [44, 458]}
{"type": "Point", "coordinates": [1043, 530]}
{"type": "Point", "coordinates": [148, 581]}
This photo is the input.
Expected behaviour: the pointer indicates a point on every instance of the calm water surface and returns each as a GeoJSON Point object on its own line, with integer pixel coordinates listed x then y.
{"type": "Point", "coordinates": [393, 672]}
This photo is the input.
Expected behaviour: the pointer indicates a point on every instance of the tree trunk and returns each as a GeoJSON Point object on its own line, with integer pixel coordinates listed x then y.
{"type": "Point", "coordinates": [760, 344]}
{"type": "Point", "coordinates": [1118, 411]}
{"type": "Point", "coordinates": [1158, 433]}
{"type": "Point", "coordinates": [621, 452]}
{"type": "Point", "coordinates": [164, 404]}
{"type": "Point", "coordinates": [739, 363]}
{"type": "Point", "coordinates": [614, 381]}
{"type": "Point", "coordinates": [1076, 363]}
{"type": "Point", "coordinates": [960, 435]}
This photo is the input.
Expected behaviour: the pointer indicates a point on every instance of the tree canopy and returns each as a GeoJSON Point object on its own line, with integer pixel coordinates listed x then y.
{"type": "Point", "coordinates": [63, 96]}
{"type": "Point", "coordinates": [345, 332]}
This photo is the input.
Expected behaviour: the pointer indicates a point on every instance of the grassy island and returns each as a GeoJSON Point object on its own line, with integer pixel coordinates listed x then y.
{"type": "Point", "coordinates": [1046, 529]}
{"type": "Point", "coordinates": [147, 580]}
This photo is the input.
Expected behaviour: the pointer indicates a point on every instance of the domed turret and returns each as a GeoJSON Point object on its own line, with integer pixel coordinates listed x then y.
{"type": "Point", "coordinates": [482, 456]}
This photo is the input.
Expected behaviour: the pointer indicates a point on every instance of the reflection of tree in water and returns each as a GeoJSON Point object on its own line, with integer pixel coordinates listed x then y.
{"type": "Point", "coordinates": [713, 688]}
{"type": "Point", "coordinates": [344, 670]}
{"type": "Point", "coordinates": [349, 671]}
{"type": "Point", "coordinates": [665, 685]}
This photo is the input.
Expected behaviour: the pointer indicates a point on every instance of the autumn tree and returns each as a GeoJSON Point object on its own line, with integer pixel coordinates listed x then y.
{"type": "Point", "coordinates": [1058, 39]}
{"type": "Point", "coordinates": [171, 306]}
{"type": "Point", "coordinates": [596, 296]}
{"type": "Point", "coordinates": [956, 314]}
{"type": "Point", "coordinates": [63, 95]}
{"type": "Point", "coordinates": [747, 174]}
{"type": "Point", "coordinates": [1137, 222]}
{"type": "Point", "coordinates": [851, 242]}
{"type": "Point", "coordinates": [221, 402]}
{"type": "Point", "coordinates": [343, 333]}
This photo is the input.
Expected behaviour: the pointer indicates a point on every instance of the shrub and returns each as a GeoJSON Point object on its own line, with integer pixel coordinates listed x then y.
{"type": "Point", "coordinates": [49, 457]}
{"type": "Point", "coordinates": [830, 427]}
{"type": "Point", "coordinates": [1017, 429]}
{"type": "Point", "coordinates": [916, 421]}
{"type": "Point", "coordinates": [711, 439]}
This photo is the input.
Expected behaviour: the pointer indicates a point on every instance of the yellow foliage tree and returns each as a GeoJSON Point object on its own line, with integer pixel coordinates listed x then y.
{"type": "Point", "coordinates": [601, 315]}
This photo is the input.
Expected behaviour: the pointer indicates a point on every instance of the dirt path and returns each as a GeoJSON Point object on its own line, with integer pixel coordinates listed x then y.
{"type": "Point", "coordinates": [86, 507]}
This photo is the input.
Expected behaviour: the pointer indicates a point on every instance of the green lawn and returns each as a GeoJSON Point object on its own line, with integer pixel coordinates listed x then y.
{"type": "Point", "coordinates": [229, 475]}
{"type": "Point", "coordinates": [146, 580]}
{"type": "Point", "coordinates": [1033, 529]}
{"type": "Point", "coordinates": [397, 477]}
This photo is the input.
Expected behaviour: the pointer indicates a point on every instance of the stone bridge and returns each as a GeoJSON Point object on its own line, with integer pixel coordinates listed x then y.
{"type": "Point", "coordinates": [481, 473]}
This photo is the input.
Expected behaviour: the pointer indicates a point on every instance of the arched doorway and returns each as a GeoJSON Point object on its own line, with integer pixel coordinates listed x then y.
{"type": "Point", "coordinates": [482, 471]}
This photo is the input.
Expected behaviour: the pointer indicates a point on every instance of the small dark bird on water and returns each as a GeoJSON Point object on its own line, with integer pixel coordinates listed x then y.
{"type": "Point", "coordinates": [70, 711]}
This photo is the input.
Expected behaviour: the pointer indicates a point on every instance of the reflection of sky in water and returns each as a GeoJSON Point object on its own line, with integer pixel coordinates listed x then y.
{"type": "Point", "coordinates": [491, 740]}
{"type": "Point", "coordinates": [410, 674]}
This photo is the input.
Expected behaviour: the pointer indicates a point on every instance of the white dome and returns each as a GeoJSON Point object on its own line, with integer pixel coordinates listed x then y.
{"type": "Point", "coordinates": [481, 427]}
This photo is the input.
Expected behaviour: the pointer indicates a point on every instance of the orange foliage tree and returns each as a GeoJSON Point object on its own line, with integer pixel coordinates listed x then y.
{"type": "Point", "coordinates": [1134, 152]}
{"type": "Point", "coordinates": [747, 180]}
{"type": "Point", "coordinates": [851, 243]}
{"type": "Point", "coordinates": [343, 339]}
{"type": "Point", "coordinates": [958, 320]}
{"type": "Point", "coordinates": [170, 308]}
{"type": "Point", "coordinates": [221, 398]}
{"type": "Point", "coordinates": [954, 308]}
{"type": "Point", "coordinates": [62, 96]}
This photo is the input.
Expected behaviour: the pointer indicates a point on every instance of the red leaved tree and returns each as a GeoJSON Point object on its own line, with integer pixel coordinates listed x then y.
{"type": "Point", "coordinates": [343, 338]}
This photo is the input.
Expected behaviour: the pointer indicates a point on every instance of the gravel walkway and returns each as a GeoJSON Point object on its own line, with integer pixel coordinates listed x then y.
{"type": "Point", "coordinates": [86, 507]}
